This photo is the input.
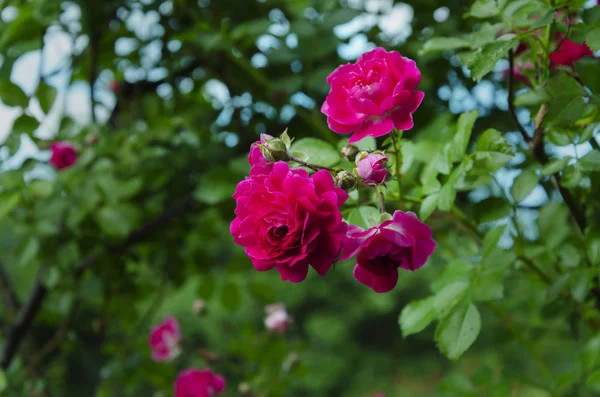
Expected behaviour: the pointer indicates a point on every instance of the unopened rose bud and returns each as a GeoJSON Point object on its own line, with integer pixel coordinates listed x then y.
{"type": "Point", "coordinates": [244, 389]}
{"type": "Point", "coordinates": [277, 319]}
{"type": "Point", "coordinates": [350, 152]}
{"type": "Point", "coordinates": [275, 150]}
{"type": "Point", "coordinates": [345, 180]}
{"type": "Point", "coordinates": [371, 168]}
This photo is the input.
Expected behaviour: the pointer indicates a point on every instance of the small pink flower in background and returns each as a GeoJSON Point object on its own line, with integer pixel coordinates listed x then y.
{"type": "Point", "coordinates": [199, 306]}
{"type": "Point", "coordinates": [164, 340]}
{"type": "Point", "coordinates": [371, 168]}
{"type": "Point", "coordinates": [373, 96]}
{"type": "Point", "coordinates": [114, 86]}
{"type": "Point", "coordinates": [569, 52]}
{"type": "Point", "coordinates": [289, 220]}
{"type": "Point", "coordinates": [63, 156]}
{"type": "Point", "coordinates": [518, 70]}
{"type": "Point", "coordinates": [404, 241]}
{"type": "Point", "coordinates": [379, 395]}
{"type": "Point", "coordinates": [277, 319]}
{"type": "Point", "coordinates": [198, 383]}
{"type": "Point", "coordinates": [259, 164]}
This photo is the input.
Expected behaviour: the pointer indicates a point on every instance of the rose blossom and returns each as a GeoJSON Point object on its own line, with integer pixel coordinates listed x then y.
{"type": "Point", "coordinates": [277, 319]}
{"type": "Point", "coordinates": [198, 383]}
{"type": "Point", "coordinates": [371, 168]}
{"type": "Point", "coordinates": [164, 340]}
{"type": "Point", "coordinates": [569, 52]}
{"type": "Point", "coordinates": [373, 95]}
{"type": "Point", "coordinates": [289, 220]}
{"type": "Point", "coordinates": [259, 164]}
{"type": "Point", "coordinates": [518, 70]}
{"type": "Point", "coordinates": [63, 156]}
{"type": "Point", "coordinates": [404, 241]}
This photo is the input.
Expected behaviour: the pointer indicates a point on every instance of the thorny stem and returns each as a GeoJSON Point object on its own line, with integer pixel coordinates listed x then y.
{"type": "Point", "coordinates": [397, 161]}
{"type": "Point", "coordinates": [313, 167]}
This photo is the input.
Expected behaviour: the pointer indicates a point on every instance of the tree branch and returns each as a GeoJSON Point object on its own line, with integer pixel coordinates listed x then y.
{"type": "Point", "coordinates": [24, 319]}
{"type": "Point", "coordinates": [511, 96]}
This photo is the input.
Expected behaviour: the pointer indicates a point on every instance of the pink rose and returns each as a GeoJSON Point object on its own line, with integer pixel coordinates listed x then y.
{"type": "Point", "coordinates": [569, 52]}
{"type": "Point", "coordinates": [404, 241]}
{"type": "Point", "coordinates": [164, 340]}
{"type": "Point", "coordinates": [289, 220]}
{"type": "Point", "coordinates": [371, 168]}
{"type": "Point", "coordinates": [373, 95]}
{"type": "Point", "coordinates": [277, 319]}
{"type": "Point", "coordinates": [259, 164]}
{"type": "Point", "coordinates": [198, 383]}
{"type": "Point", "coordinates": [64, 155]}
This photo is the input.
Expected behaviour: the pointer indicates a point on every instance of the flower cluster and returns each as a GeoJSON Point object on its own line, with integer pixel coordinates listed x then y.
{"type": "Point", "coordinates": [164, 341]}
{"type": "Point", "coordinates": [289, 220]}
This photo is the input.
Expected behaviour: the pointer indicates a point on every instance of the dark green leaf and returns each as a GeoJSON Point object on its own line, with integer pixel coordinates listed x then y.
{"type": "Point", "coordinates": [12, 95]}
{"type": "Point", "coordinates": [492, 209]}
{"type": "Point", "coordinates": [8, 202]}
{"type": "Point", "coordinates": [46, 94]}
{"type": "Point", "coordinates": [216, 186]}
{"type": "Point", "coordinates": [480, 62]}
{"type": "Point", "coordinates": [463, 134]}
{"type": "Point", "coordinates": [555, 165]}
{"type": "Point", "coordinates": [591, 161]}
{"type": "Point", "coordinates": [524, 185]}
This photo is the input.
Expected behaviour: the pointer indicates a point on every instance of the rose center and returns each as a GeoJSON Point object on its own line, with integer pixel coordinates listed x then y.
{"type": "Point", "coordinates": [381, 265]}
{"type": "Point", "coordinates": [279, 232]}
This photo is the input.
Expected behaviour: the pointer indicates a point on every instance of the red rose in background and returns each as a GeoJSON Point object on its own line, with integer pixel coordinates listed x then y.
{"type": "Point", "coordinates": [289, 220]}
{"type": "Point", "coordinates": [373, 96]}
{"type": "Point", "coordinates": [569, 52]}
{"type": "Point", "coordinates": [63, 156]}
{"type": "Point", "coordinates": [404, 241]}
{"type": "Point", "coordinates": [198, 383]}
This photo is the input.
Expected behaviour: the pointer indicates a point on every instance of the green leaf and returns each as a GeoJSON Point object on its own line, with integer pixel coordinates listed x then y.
{"type": "Point", "coordinates": [30, 251]}
{"type": "Point", "coordinates": [492, 209]}
{"type": "Point", "coordinates": [444, 43]}
{"type": "Point", "coordinates": [555, 165]}
{"type": "Point", "coordinates": [250, 30]}
{"type": "Point", "coordinates": [25, 124]}
{"type": "Point", "coordinates": [591, 353]}
{"type": "Point", "coordinates": [340, 17]}
{"type": "Point", "coordinates": [463, 134]}
{"type": "Point", "coordinates": [493, 150]}
{"type": "Point", "coordinates": [3, 381]}
{"type": "Point", "coordinates": [533, 97]}
{"type": "Point", "coordinates": [319, 152]}
{"type": "Point", "coordinates": [591, 161]}
{"type": "Point", "coordinates": [46, 94]}
{"type": "Point", "coordinates": [8, 202]}
{"type": "Point", "coordinates": [449, 296]}
{"type": "Point", "coordinates": [592, 38]}
{"type": "Point", "coordinates": [416, 316]}
{"type": "Point", "coordinates": [457, 332]}
{"type": "Point", "coordinates": [587, 70]}
{"type": "Point", "coordinates": [458, 270]}
{"type": "Point", "coordinates": [428, 206]}
{"type": "Point", "coordinates": [485, 8]}
{"type": "Point", "coordinates": [117, 220]}
{"type": "Point", "coordinates": [593, 381]}
{"type": "Point", "coordinates": [562, 85]}
{"type": "Point", "coordinates": [41, 188]}
{"type": "Point", "coordinates": [491, 238]}
{"type": "Point", "coordinates": [364, 216]}
{"type": "Point", "coordinates": [524, 184]}
{"type": "Point", "coordinates": [481, 61]}
{"type": "Point", "coordinates": [216, 186]}
{"type": "Point", "coordinates": [12, 95]}
{"type": "Point", "coordinates": [230, 297]}
{"type": "Point", "coordinates": [592, 244]}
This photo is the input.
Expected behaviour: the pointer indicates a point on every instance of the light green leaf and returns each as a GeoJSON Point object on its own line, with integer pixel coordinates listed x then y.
{"type": "Point", "coordinates": [364, 216]}
{"type": "Point", "coordinates": [46, 94]}
{"type": "Point", "coordinates": [8, 202]}
{"type": "Point", "coordinates": [593, 381]}
{"type": "Point", "coordinates": [491, 239]}
{"type": "Point", "coordinates": [485, 8]}
{"type": "Point", "coordinates": [493, 149]}
{"type": "Point", "coordinates": [449, 296]}
{"type": "Point", "coordinates": [555, 165]}
{"type": "Point", "coordinates": [319, 152]}
{"type": "Point", "coordinates": [533, 97]}
{"type": "Point", "coordinates": [463, 134]}
{"type": "Point", "coordinates": [591, 353]}
{"type": "Point", "coordinates": [481, 61]}
{"type": "Point", "coordinates": [592, 244]}
{"type": "Point", "coordinates": [12, 95]}
{"type": "Point", "coordinates": [3, 381]}
{"type": "Point", "coordinates": [458, 270]}
{"type": "Point", "coordinates": [446, 197]}
{"type": "Point", "coordinates": [30, 251]}
{"type": "Point", "coordinates": [427, 206]}
{"type": "Point", "coordinates": [444, 43]}
{"type": "Point", "coordinates": [593, 39]}
{"type": "Point", "coordinates": [416, 316]}
{"type": "Point", "coordinates": [117, 220]}
{"type": "Point", "coordinates": [524, 184]}
{"type": "Point", "coordinates": [457, 332]}
{"type": "Point", "coordinates": [41, 188]}
{"type": "Point", "coordinates": [591, 161]}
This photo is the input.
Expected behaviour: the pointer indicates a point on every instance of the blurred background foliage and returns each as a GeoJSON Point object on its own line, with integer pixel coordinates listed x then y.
{"type": "Point", "coordinates": [163, 99]}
